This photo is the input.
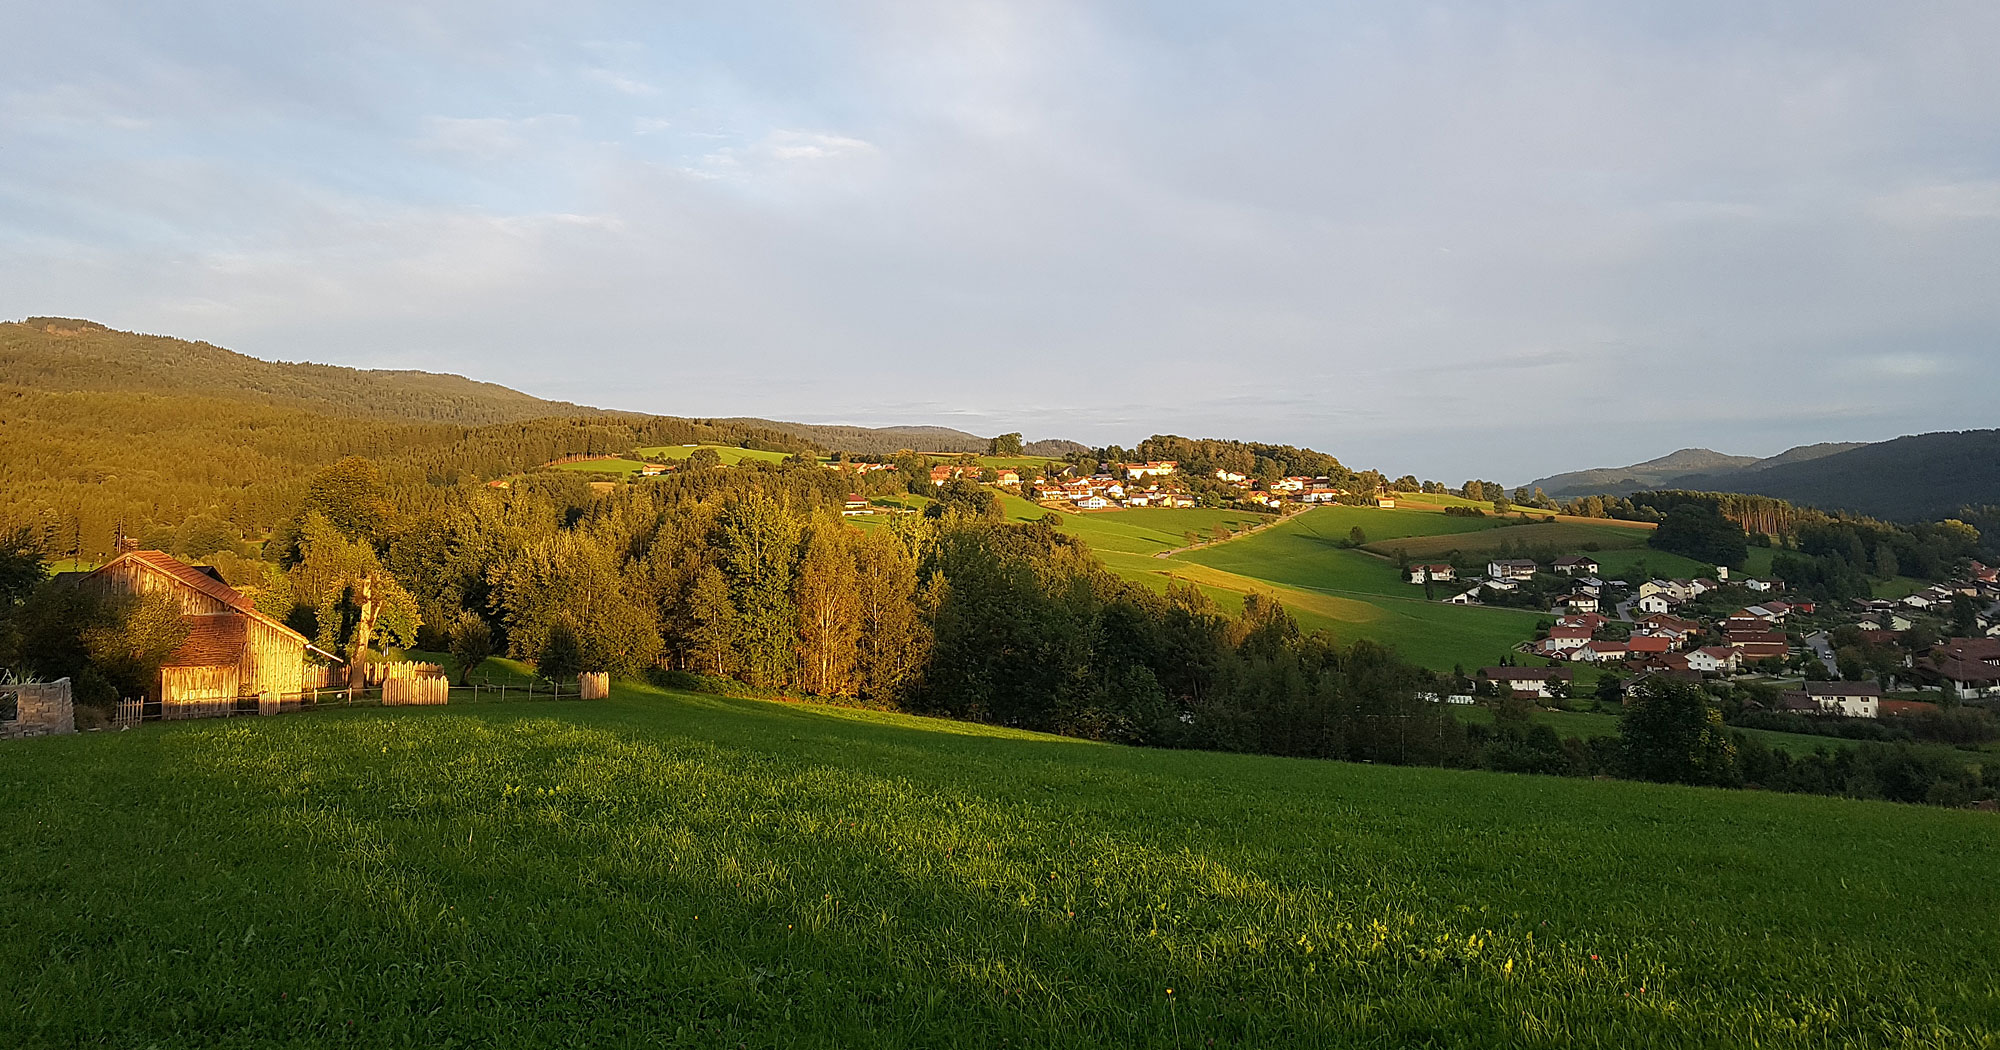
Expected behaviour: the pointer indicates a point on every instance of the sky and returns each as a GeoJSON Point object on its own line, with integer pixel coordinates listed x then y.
{"type": "Point", "coordinates": [1492, 240]}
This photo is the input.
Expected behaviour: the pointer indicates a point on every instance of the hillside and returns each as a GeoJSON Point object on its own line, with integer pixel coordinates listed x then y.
{"type": "Point", "coordinates": [883, 441]}
{"type": "Point", "coordinates": [1920, 477]}
{"type": "Point", "coordinates": [1638, 476]}
{"type": "Point", "coordinates": [59, 354]}
{"type": "Point", "coordinates": [663, 869]}
{"type": "Point", "coordinates": [69, 355]}
{"type": "Point", "coordinates": [1924, 476]}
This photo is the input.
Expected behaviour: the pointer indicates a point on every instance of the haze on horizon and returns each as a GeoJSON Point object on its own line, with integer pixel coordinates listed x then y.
{"type": "Point", "coordinates": [1443, 239]}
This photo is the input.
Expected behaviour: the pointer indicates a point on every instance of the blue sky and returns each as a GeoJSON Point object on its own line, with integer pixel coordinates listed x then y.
{"type": "Point", "coordinates": [1457, 240]}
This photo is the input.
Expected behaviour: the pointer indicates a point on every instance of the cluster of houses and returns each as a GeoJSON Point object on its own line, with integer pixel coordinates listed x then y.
{"type": "Point", "coordinates": [1659, 640]}
{"type": "Point", "coordinates": [1133, 485]}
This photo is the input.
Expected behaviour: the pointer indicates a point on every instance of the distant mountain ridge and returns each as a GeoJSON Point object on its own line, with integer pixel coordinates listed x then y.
{"type": "Point", "coordinates": [67, 354]}
{"type": "Point", "coordinates": [1621, 480]}
{"type": "Point", "coordinates": [1916, 477]}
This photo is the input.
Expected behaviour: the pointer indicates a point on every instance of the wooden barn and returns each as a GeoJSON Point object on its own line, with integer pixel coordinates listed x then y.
{"type": "Point", "coordinates": [231, 651]}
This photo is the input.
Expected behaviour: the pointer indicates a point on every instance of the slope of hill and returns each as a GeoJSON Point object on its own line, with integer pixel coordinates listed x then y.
{"type": "Point", "coordinates": [882, 441]}
{"type": "Point", "coordinates": [1649, 474]}
{"type": "Point", "coordinates": [662, 869]}
{"type": "Point", "coordinates": [50, 353]}
{"type": "Point", "coordinates": [1920, 477]}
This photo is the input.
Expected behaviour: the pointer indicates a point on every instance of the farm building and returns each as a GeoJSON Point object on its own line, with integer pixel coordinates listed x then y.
{"type": "Point", "coordinates": [1848, 699]}
{"type": "Point", "coordinates": [1511, 569]}
{"type": "Point", "coordinates": [231, 650]}
{"type": "Point", "coordinates": [1439, 573]}
{"type": "Point", "coordinates": [1526, 681]}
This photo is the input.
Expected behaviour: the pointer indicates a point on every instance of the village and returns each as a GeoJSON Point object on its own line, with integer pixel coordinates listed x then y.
{"type": "Point", "coordinates": [1158, 483]}
{"type": "Point", "coordinates": [1868, 659]}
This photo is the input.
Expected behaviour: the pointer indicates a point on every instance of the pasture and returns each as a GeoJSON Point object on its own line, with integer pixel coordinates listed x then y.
{"type": "Point", "coordinates": [1151, 530]}
{"type": "Point", "coordinates": [731, 455]}
{"type": "Point", "coordinates": [671, 870]}
{"type": "Point", "coordinates": [604, 465]}
{"type": "Point", "coordinates": [1306, 563]}
{"type": "Point", "coordinates": [1561, 537]}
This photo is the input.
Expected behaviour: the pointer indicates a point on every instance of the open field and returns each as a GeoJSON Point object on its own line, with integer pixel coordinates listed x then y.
{"type": "Point", "coordinates": [731, 455]}
{"type": "Point", "coordinates": [1354, 594]}
{"type": "Point", "coordinates": [607, 465]}
{"type": "Point", "coordinates": [1149, 530]}
{"type": "Point", "coordinates": [667, 870]}
{"type": "Point", "coordinates": [1563, 536]}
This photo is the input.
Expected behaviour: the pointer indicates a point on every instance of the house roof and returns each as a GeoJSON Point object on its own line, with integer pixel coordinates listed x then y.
{"type": "Point", "coordinates": [1571, 632]}
{"type": "Point", "coordinates": [1843, 689]}
{"type": "Point", "coordinates": [1523, 674]}
{"type": "Point", "coordinates": [1641, 643]}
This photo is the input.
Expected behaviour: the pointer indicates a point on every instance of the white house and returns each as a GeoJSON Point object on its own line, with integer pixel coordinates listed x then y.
{"type": "Point", "coordinates": [1092, 503]}
{"type": "Point", "coordinates": [1654, 603]}
{"type": "Point", "coordinates": [1440, 573]}
{"type": "Point", "coordinates": [1470, 597]}
{"type": "Point", "coordinates": [1580, 603]}
{"type": "Point", "coordinates": [1573, 564]}
{"type": "Point", "coordinates": [1151, 469]}
{"type": "Point", "coordinates": [1757, 585]}
{"type": "Point", "coordinates": [1713, 659]}
{"type": "Point", "coordinates": [1846, 699]}
{"type": "Point", "coordinates": [1526, 681]}
{"type": "Point", "coordinates": [1564, 639]}
{"type": "Point", "coordinates": [1599, 651]}
{"type": "Point", "coordinates": [1510, 569]}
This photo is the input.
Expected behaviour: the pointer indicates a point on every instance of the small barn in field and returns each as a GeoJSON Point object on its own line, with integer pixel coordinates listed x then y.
{"type": "Point", "coordinates": [231, 651]}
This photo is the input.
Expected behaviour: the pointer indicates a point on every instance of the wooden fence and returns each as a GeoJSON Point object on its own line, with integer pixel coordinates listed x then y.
{"type": "Point", "coordinates": [430, 689]}
{"type": "Point", "coordinates": [593, 685]}
{"type": "Point", "coordinates": [380, 673]}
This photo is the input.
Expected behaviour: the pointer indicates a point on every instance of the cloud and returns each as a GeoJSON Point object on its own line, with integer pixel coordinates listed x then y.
{"type": "Point", "coordinates": [489, 137]}
{"type": "Point", "coordinates": [620, 83]}
{"type": "Point", "coordinates": [1710, 227]}
{"type": "Point", "coordinates": [1947, 202]}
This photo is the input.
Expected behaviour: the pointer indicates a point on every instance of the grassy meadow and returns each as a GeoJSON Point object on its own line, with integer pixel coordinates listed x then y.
{"type": "Point", "coordinates": [730, 454]}
{"type": "Point", "coordinates": [607, 465]}
{"type": "Point", "coordinates": [1306, 563]}
{"type": "Point", "coordinates": [1564, 536]}
{"type": "Point", "coordinates": [670, 870]}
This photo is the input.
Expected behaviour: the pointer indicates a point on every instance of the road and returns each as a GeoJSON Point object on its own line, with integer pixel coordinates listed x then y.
{"type": "Point", "coordinates": [1822, 648]}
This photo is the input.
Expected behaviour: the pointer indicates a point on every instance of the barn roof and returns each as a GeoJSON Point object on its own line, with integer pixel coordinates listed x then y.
{"type": "Point", "coordinates": [213, 638]}
{"type": "Point", "coordinates": [211, 585]}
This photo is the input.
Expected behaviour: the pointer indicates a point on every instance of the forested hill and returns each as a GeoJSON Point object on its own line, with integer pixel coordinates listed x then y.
{"type": "Point", "coordinates": [67, 355]}
{"type": "Point", "coordinates": [59, 354]}
{"type": "Point", "coordinates": [1919, 478]}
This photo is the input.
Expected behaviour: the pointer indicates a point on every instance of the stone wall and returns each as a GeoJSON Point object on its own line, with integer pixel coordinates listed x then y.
{"type": "Point", "coordinates": [43, 709]}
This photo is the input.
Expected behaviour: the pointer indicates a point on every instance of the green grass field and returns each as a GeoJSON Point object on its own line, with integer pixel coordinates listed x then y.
{"type": "Point", "coordinates": [1149, 530]}
{"type": "Point", "coordinates": [665, 870]}
{"type": "Point", "coordinates": [731, 455]}
{"type": "Point", "coordinates": [1353, 594]}
{"type": "Point", "coordinates": [1564, 536]}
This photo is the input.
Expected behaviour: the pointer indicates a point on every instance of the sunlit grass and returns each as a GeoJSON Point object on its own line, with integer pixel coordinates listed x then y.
{"type": "Point", "coordinates": [671, 870]}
